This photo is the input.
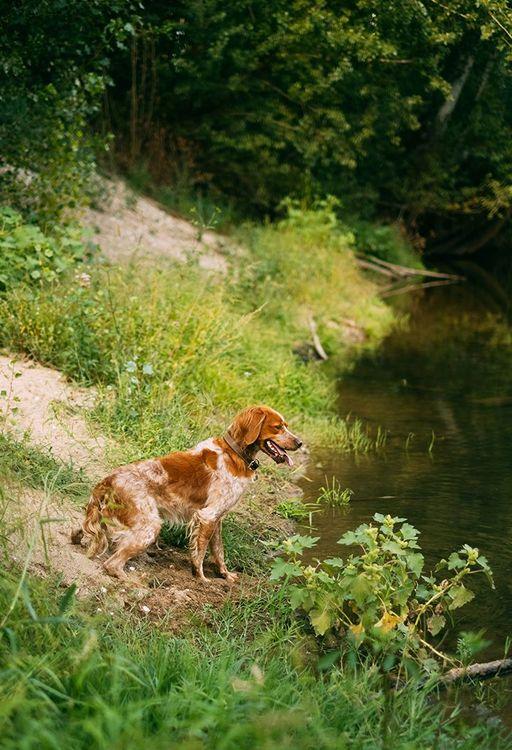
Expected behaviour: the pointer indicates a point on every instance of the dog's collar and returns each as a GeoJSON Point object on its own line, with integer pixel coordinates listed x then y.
{"type": "Point", "coordinates": [250, 462]}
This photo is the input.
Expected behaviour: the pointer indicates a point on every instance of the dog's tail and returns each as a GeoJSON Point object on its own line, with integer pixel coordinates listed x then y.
{"type": "Point", "coordinates": [94, 525]}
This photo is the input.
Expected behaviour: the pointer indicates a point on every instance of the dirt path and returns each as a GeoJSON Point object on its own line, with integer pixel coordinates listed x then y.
{"type": "Point", "coordinates": [134, 227]}
{"type": "Point", "coordinates": [40, 403]}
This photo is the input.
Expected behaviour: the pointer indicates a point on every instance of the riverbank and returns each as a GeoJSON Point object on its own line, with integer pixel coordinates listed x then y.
{"type": "Point", "coordinates": [172, 351]}
{"type": "Point", "coordinates": [164, 334]}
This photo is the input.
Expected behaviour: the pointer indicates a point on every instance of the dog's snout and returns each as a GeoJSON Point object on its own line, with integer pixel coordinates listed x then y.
{"type": "Point", "coordinates": [298, 443]}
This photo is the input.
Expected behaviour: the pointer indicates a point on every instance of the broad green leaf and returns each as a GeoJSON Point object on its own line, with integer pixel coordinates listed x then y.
{"type": "Point", "coordinates": [282, 568]}
{"type": "Point", "coordinates": [408, 531]}
{"type": "Point", "coordinates": [300, 597]}
{"type": "Point", "coordinates": [394, 547]}
{"type": "Point", "coordinates": [296, 544]}
{"type": "Point", "coordinates": [320, 620]}
{"type": "Point", "coordinates": [348, 538]}
{"type": "Point", "coordinates": [455, 562]}
{"type": "Point", "coordinates": [436, 623]}
{"type": "Point", "coordinates": [423, 593]}
{"type": "Point", "coordinates": [415, 561]}
{"type": "Point", "coordinates": [460, 596]}
{"type": "Point", "coordinates": [360, 588]}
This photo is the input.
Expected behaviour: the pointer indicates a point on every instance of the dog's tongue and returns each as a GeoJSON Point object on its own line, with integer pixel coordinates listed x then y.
{"type": "Point", "coordinates": [284, 454]}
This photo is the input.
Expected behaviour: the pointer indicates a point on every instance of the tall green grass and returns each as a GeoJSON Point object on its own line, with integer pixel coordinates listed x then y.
{"type": "Point", "coordinates": [175, 353]}
{"type": "Point", "coordinates": [244, 677]}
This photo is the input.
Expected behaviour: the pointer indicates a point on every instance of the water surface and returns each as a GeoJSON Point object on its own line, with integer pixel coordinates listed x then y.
{"type": "Point", "coordinates": [447, 374]}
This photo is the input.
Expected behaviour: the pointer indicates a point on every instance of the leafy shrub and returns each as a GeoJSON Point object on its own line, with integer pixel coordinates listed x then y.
{"type": "Point", "coordinates": [29, 255]}
{"type": "Point", "coordinates": [380, 598]}
{"type": "Point", "coordinates": [54, 74]}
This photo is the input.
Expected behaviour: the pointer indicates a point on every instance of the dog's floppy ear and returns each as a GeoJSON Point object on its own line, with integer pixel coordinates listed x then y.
{"type": "Point", "coordinates": [247, 425]}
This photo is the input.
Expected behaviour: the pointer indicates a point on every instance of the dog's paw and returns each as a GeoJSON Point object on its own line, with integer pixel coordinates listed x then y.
{"type": "Point", "coordinates": [230, 577]}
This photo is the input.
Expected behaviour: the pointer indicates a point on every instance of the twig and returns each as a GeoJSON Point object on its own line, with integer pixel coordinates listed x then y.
{"type": "Point", "coordinates": [498, 22]}
{"type": "Point", "coordinates": [414, 287]}
{"type": "Point", "coordinates": [374, 267]}
{"type": "Point", "coordinates": [404, 271]}
{"type": "Point", "coordinates": [317, 344]}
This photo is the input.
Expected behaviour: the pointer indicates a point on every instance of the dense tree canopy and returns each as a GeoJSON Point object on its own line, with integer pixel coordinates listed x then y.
{"type": "Point", "coordinates": [399, 107]}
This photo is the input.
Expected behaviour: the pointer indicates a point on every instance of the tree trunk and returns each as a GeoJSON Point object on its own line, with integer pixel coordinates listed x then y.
{"type": "Point", "coordinates": [449, 105]}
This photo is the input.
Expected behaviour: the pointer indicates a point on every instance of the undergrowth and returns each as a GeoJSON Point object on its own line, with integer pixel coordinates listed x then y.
{"type": "Point", "coordinates": [248, 679]}
{"type": "Point", "coordinates": [176, 353]}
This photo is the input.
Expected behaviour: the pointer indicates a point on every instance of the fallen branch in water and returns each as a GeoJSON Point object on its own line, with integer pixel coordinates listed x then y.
{"type": "Point", "coordinates": [484, 671]}
{"type": "Point", "coordinates": [394, 270]}
{"type": "Point", "coordinates": [392, 291]}
{"type": "Point", "coordinates": [317, 344]}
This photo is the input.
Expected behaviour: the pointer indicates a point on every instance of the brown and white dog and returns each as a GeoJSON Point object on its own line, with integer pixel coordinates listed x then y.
{"type": "Point", "coordinates": [195, 487]}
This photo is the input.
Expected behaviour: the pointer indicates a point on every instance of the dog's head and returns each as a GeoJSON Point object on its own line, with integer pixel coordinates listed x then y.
{"type": "Point", "coordinates": [265, 429]}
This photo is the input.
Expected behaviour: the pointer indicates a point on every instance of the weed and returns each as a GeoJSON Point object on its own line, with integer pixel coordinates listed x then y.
{"type": "Point", "coordinates": [380, 599]}
{"type": "Point", "coordinates": [334, 495]}
{"type": "Point", "coordinates": [432, 442]}
{"type": "Point", "coordinates": [28, 255]}
{"type": "Point", "coordinates": [295, 509]}
{"type": "Point", "coordinates": [408, 440]}
{"type": "Point", "coordinates": [33, 467]}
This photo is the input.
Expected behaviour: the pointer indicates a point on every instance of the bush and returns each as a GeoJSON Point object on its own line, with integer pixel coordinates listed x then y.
{"type": "Point", "coordinates": [28, 255]}
{"type": "Point", "coordinates": [380, 599]}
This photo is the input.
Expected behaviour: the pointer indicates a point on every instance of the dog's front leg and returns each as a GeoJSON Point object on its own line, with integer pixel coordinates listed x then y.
{"type": "Point", "coordinates": [217, 550]}
{"type": "Point", "coordinates": [202, 530]}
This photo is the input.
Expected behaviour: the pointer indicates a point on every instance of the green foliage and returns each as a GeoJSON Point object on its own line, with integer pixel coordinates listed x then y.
{"type": "Point", "coordinates": [369, 102]}
{"type": "Point", "coordinates": [240, 677]}
{"type": "Point", "coordinates": [176, 352]}
{"type": "Point", "coordinates": [54, 72]}
{"type": "Point", "coordinates": [380, 599]}
{"type": "Point", "coordinates": [387, 242]}
{"type": "Point", "coordinates": [29, 255]}
{"type": "Point", "coordinates": [295, 509]}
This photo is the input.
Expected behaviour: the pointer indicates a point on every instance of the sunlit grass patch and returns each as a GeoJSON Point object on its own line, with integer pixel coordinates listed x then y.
{"type": "Point", "coordinates": [32, 467]}
{"type": "Point", "coordinates": [176, 353]}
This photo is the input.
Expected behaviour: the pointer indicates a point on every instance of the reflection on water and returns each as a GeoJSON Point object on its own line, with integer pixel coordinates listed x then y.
{"type": "Point", "coordinates": [448, 373]}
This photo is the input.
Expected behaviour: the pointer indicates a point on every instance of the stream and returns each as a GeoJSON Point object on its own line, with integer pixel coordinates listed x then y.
{"type": "Point", "coordinates": [441, 381]}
